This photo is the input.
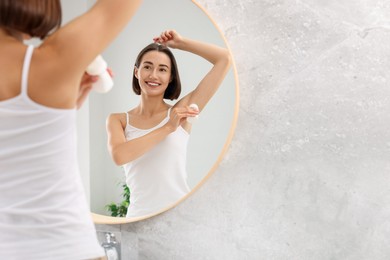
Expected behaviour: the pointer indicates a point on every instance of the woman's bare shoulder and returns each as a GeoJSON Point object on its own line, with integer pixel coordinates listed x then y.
{"type": "Point", "coordinates": [115, 118]}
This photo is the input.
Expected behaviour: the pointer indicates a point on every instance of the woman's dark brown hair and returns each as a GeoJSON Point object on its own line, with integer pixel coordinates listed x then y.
{"type": "Point", "coordinates": [174, 87]}
{"type": "Point", "coordinates": [36, 18]}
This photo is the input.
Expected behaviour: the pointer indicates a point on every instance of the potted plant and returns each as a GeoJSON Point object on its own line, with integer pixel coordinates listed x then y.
{"type": "Point", "coordinates": [120, 209]}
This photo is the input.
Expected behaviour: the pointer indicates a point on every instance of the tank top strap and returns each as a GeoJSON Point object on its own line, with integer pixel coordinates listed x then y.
{"type": "Point", "coordinates": [26, 68]}
{"type": "Point", "coordinates": [169, 112]}
{"type": "Point", "coordinates": [127, 118]}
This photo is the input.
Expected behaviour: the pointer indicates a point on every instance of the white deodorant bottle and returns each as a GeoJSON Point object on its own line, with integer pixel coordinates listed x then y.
{"type": "Point", "coordinates": [191, 120]}
{"type": "Point", "coordinates": [99, 68]}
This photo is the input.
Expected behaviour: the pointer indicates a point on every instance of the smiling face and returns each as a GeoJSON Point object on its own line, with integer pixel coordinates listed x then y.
{"type": "Point", "coordinates": [174, 87]}
{"type": "Point", "coordinates": [154, 73]}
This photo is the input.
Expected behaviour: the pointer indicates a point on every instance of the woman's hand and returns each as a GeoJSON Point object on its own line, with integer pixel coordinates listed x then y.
{"type": "Point", "coordinates": [169, 38]}
{"type": "Point", "coordinates": [86, 87]}
{"type": "Point", "coordinates": [178, 116]}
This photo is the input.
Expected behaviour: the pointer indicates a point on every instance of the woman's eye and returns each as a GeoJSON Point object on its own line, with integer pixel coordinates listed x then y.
{"type": "Point", "coordinates": [147, 67]}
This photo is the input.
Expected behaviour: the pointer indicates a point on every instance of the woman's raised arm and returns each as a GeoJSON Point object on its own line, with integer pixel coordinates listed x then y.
{"type": "Point", "coordinates": [77, 43]}
{"type": "Point", "coordinates": [218, 56]}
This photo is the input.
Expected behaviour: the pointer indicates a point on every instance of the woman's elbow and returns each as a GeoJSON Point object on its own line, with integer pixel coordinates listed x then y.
{"type": "Point", "coordinates": [117, 157]}
{"type": "Point", "coordinates": [226, 58]}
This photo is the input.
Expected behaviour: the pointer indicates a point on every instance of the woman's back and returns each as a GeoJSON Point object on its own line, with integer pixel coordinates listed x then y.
{"type": "Point", "coordinates": [10, 68]}
{"type": "Point", "coordinates": [43, 210]}
{"type": "Point", "coordinates": [42, 199]}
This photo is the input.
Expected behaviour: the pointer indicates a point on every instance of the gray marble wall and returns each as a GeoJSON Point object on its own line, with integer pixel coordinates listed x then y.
{"type": "Point", "coordinates": [307, 175]}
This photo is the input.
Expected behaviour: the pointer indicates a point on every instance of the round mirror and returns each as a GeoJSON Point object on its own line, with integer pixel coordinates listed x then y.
{"type": "Point", "coordinates": [210, 134]}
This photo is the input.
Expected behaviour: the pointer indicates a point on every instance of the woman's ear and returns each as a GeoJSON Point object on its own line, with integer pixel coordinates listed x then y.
{"type": "Point", "coordinates": [136, 72]}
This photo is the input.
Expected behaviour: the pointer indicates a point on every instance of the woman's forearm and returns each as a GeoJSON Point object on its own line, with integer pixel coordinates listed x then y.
{"type": "Point", "coordinates": [133, 149]}
{"type": "Point", "coordinates": [210, 52]}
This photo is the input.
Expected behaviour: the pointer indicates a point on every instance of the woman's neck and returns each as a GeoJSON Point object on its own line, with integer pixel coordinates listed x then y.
{"type": "Point", "coordinates": [12, 35]}
{"type": "Point", "coordinates": [150, 107]}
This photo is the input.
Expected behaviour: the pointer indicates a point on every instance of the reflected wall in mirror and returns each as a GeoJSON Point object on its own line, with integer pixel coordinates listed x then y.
{"type": "Point", "coordinates": [210, 134]}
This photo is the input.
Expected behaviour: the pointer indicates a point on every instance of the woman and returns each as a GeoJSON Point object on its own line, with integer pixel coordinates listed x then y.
{"type": "Point", "coordinates": [43, 210]}
{"type": "Point", "coordinates": [150, 140]}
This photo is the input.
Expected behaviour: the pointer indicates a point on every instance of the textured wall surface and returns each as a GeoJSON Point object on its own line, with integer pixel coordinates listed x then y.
{"type": "Point", "coordinates": [307, 175]}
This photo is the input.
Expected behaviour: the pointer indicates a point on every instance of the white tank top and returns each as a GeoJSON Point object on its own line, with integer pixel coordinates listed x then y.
{"type": "Point", "coordinates": [158, 178]}
{"type": "Point", "coordinates": [43, 209]}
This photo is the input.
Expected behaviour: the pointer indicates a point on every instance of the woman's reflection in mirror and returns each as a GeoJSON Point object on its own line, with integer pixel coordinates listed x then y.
{"type": "Point", "coordinates": [150, 140]}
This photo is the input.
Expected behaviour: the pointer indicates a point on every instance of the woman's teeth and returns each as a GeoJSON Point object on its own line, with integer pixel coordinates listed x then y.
{"type": "Point", "coordinates": [152, 84]}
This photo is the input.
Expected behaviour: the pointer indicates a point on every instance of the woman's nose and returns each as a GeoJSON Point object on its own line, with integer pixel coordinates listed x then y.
{"type": "Point", "coordinates": [153, 74]}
